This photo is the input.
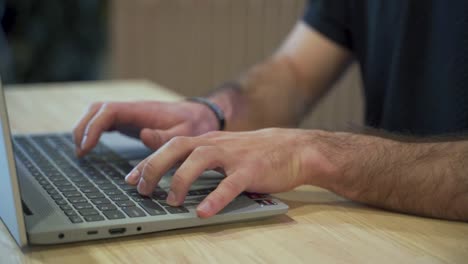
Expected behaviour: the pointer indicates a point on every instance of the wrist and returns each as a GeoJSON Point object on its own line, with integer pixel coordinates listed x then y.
{"type": "Point", "coordinates": [228, 98]}
{"type": "Point", "coordinates": [214, 108]}
{"type": "Point", "coordinates": [326, 157]}
{"type": "Point", "coordinates": [204, 118]}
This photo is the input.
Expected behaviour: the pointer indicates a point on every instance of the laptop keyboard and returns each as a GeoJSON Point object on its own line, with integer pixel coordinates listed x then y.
{"type": "Point", "coordinates": [93, 188]}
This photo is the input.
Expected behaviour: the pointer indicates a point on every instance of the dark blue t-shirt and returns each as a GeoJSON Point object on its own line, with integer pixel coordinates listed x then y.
{"type": "Point", "coordinates": [413, 56]}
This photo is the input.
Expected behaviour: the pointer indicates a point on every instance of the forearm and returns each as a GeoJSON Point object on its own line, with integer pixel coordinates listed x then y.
{"type": "Point", "coordinates": [265, 96]}
{"type": "Point", "coordinates": [427, 179]}
{"type": "Point", "coordinates": [279, 91]}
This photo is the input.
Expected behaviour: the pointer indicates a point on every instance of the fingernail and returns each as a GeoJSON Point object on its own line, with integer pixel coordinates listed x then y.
{"type": "Point", "coordinates": [83, 142]}
{"type": "Point", "coordinates": [171, 199]}
{"type": "Point", "coordinates": [133, 176]}
{"type": "Point", "coordinates": [143, 187]}
{"type": "Point", "coordinates": [205, 207]}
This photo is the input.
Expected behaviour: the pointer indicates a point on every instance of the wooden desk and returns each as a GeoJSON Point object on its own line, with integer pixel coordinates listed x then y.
{"type": "Point", "coordinates": [319, 228]}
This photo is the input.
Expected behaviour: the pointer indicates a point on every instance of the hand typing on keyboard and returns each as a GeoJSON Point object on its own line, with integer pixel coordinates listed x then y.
{"type": "Point", "coordinates": [157, 122]}
{"type": "Point", "coordinates": [264, 161]}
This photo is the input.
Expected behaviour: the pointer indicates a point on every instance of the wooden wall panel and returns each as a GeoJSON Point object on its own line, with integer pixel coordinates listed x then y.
{"type": "Point", "coordinates": [191, 46]}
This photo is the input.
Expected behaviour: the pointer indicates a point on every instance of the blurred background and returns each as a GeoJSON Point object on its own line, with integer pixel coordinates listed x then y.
{"type": "Point", "coordinates": [53, 40]}
{"type": "Point", "coordinates": [189, 46]}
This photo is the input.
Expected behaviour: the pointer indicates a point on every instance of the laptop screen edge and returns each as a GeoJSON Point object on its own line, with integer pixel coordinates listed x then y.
{"type": "Point", "coordinates": [11, 210]}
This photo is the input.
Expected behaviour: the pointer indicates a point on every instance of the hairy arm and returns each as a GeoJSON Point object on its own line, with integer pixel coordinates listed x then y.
{"type": "Point", "coordinates": [410, 176]}
{"type": "Point", "coordinates": [279, 91]}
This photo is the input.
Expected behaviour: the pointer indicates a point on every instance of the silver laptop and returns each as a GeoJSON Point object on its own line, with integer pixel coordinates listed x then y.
{"type": "Point", "coordinates": [48, 196]}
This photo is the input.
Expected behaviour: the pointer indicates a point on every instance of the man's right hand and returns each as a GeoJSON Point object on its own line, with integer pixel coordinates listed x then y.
{"type": "Point", "coordinates": [155, 122]}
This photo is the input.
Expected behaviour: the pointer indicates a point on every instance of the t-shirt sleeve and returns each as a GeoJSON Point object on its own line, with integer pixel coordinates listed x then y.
{"type": "Point", "coordinates": [331, 18]}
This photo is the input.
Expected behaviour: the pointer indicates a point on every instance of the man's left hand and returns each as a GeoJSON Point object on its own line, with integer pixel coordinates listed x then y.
{"type": "Point", "coordinates": [263, 161]}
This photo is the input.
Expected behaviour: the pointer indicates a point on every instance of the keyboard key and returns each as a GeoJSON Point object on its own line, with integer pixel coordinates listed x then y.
{"type": "Point", "coordinates": [84, 184]}
{"type": "Point", "coordinates": [66, 207]}
{"type": "Point", "coordinates": [94, 218]}
{"type": "Point", "coordinates": [113, 192]}
{"type": "Point", "coordinates": [128, 187]}
{"type": "Point", "coordinates": [191, 205]}
{"type": "Point", "coordinates": [108, 187]}
{"type": "Point", "coordinates": [67, 189]}
{"type": "Point", "coordinates": [99, 201]}
{"type": "Point", "coordinates": [35, 173]}
{"type": "Point", "coordinates": [196, 199]}
{"type": "Point", "coordinates": [52, 191]}
{"type": "Point", "coordinates": [88, 212]}
{"type": "Point", "coordinates": [40, 178]}
{"type": "Point", "coordinates": [56, 178]}
{"type": "Point", "coordinates": [117, 198]}
{"type": "Point", "coordinates": [152, 208]}
{"type": "Point", "coordinates": [95, 195]}
{"type": "Point", "coordinates": [81, 206]}
{"type": "Point", "coordinates": [139, 198]}
{"type": "Point", "coordinates": [44, 182]}
{"type": "Point", "coordinates": [117, 177]}
{"type": "Point", "coordinates": [89, 190]}
{"type": "Point", "coordinates": [106, 207]}
{"type": "Point", "coordinates": [61, 202]}
{"type": "Point", "coordinates": [48, 187]}
{"type": "Point", "coordinates": [124, 166]}
{"type": "Point", "coordinates": [70, 212]}
{"type": "Point", "coordinates": [125, 203]}
{"type": "Point", "coordinates": [134, 212]}
{"type": "Point", "coordinates": [74, 194]}
{"type": "Point", "coordinates": [176, 210]}
{"type": "Point", "coordinates": [200, 192]}
{"type": "Point", "coordinates": [100, 182]}
{"type": "Point", "coordinates": [120, 182]}
{"type": "Point", "coordinates": [79, 179]}
{"type": "Point", "coordinates": [56, 197]}
{"type": "Point", "coordinates": [114, 214]}
{"type": "Point", "coordinates": [76, 200]}
{"type": "Point", "coordinates": [62, 183]}
{"type": "Point", "coordinates": [159, 195]}
{"type": "Point", "coordinates": [75, 219]}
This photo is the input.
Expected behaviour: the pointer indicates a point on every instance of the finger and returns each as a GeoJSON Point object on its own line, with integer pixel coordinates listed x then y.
{"type": "Point", "coordinates": [101, 121]}
{"type": "Point", "coordinates": [201, 159]}
{"type": "Point", "coordinates": [133, 177]}
{"type": "Point", "coordinates": [79, 128]}
{"type": "Point", "coordinates": [116, 115]}
{"type": "Point", "coordinates": [161, 161]}
{"type": "Point", "coordinates": [227, 190]}
{"type": "Point", "coordinates": [155, 138]}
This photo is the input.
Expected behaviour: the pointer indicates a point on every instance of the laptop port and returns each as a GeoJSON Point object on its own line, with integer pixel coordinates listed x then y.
{"type": "Point", "coordinates": [117, 231]}
{"type": "Point", "coordinates": [93, 232]}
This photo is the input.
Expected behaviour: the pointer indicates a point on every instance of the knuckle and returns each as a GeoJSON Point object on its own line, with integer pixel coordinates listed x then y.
{"type": "Point", "coordinates": [232, 186]}
{"type": "Point", "coordinates": [207, 155]}
{"type": "Point", "coordinates": [214, 134]}
{"type": "Point", "coordinates": [148, 171]}
{"type": "Point", "coordinates": [107, 107]}
{"type": "Point", "coordinates": [178, 180]}
{"type": "Point", "coordinates": [178, 142]}
{"type": "Point", "coordinates": [202, 151]}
